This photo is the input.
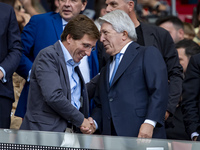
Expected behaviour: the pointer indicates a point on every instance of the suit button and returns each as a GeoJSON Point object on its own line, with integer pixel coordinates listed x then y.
{"type": "Point", "coordinates": [111, 99]}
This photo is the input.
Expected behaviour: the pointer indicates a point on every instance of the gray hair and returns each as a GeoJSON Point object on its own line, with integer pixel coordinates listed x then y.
{"type": "Point", "coordinates": [120, 22]}
{"type": "Point", "coordinates": [135, 3]}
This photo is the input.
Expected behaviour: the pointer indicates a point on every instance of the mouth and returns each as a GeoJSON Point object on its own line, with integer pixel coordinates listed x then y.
{"type": "Point", "coordinates": [106, 46]}
{"type": "Point", "coordinates": [67, 11]}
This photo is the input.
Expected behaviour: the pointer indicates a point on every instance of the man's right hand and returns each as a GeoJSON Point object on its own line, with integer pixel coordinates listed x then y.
{"type": "Point", "coordinates": [88, 126]}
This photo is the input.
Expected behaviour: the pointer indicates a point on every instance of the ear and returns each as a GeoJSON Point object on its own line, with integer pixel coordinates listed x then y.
{"type": "Point", "coordinates": [131, 5]}
{"type": "Point", "coordinates": [124, 35]}
{"type": "Point", "coordinates": [181, 33]}
{"type": "Point", "coordinates": [83, 5]}
{"type": "Point", "coordinates": [103, 12]}
{"type": "Point", "coordinates": [68, 38]}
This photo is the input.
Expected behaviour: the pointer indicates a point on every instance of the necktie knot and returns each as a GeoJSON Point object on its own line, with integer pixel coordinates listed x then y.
{"type": "Point", "coordinates": [117, 56]}
{"type": "Point", "coordinates": [71, 62]}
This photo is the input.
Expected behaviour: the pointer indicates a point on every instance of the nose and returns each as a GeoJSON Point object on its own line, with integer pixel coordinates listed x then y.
{"type": "Point", "coordinates": [108, 9]}
{"type": "Point", "coordinates": [102, 38]}
{"type": "Point", "coordinates": [88, 52]}
{"type": "Point", "coordinates": [22, 10]}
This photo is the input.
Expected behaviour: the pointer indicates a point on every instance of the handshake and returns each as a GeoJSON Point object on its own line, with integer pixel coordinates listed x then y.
{"type": "Point", "coordinates": [88, 126]}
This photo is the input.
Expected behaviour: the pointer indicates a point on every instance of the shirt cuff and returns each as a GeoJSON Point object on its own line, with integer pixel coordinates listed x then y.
{"type": "Point", "coordinates": [96, 124]}
{"type": "Point", "coordinates": [29, 75]}
{"type": "Point", "coordinates": [151, 122]}
{"type": "Point", "coordinates": [194, 134]}
{"type": "Point", "coordinates": [4, 75]}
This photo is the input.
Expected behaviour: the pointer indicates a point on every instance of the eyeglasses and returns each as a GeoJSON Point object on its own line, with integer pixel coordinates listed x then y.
{"type": "Point", "coordinates": [19, 7]}
{"type": "Point", "coordinates": [88, 46]}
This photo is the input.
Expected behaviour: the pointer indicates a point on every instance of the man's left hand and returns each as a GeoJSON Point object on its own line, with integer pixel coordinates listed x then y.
{"type": "Point", "coordinates": [92, 128]}
{"type": "Point", "coordinates": [146, 131]}
{"type": "Point", "coordinates": [167, 115]}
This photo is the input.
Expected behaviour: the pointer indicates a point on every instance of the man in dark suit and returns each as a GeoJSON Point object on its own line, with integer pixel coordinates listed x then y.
{"type": "Point", "coordinates": [58, 95]}
{"type": "Point", "coordinates": [190, 98]}
{"type": "Point", "coordinates": [44, 30]}
{"type": "Point", "coordinates": [132, 101]}
{"type": "Point", "coordinates": [149, 35]}
{"type": "Point", "coordinates": [10, 53]}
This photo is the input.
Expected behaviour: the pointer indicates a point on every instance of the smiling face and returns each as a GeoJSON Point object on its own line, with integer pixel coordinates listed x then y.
{"type": "Point", "coordinates": [80, 48]}
{"type": "Point", "coordinates": [112, 41]}
{"type": "Point", "coordinates": [71, 8]}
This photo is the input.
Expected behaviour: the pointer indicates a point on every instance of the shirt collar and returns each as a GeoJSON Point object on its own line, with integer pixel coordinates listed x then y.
{"type": "Point", "coordinates": [125, 47]}
{"type": "Point", "coordinates": [64, 23]}
{"type": "Point", "coordinates": [68, 58]}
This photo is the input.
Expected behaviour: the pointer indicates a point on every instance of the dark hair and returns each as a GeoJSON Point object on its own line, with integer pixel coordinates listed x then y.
{"type": "Point", "coordinates": [173, 19]}
{"type": "Point", "coordinates": [191, 47]}
{"type": "Point", "coordinates": [78, 27]}
{"type": "Point", "coordinates": [135, 4]}
{"type": "Point", "coordinates": [98, 6]}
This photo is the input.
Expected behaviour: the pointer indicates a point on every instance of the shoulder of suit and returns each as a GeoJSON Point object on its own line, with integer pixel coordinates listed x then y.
{"type": "Point", "coordinates": [44, 15]}
{"type": "Point", "coordinates": [196, 57]}
{"type": "Point", "coordinates": [154, 28]}
{"type": "Point", "coordinates": [5, 7]}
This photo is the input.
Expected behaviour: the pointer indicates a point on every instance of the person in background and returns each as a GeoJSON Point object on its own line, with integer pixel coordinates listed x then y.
{"type": "Point", "coordinates": [186, 48]}
{"type": "Point", "coordinates": [41, 31]}
{"type": "Point", "coordinates": [10, 49]}
{"type": "Point", "coordinates": [100, 10]}
{"type": "Point", "coordinates": [190, 98]}
{"type": "Point", "coordinates": [189, 32]}
{"type": "Point", "coordinates": [175, 127]}
{"type": "Point", "coordinates": [18, 82]}
{"type": "Point", "coordinates": [28, 6]}
{"type": "Point", "coordinates": [156, 8]}
{"type": "Point", "coordinates": [197, 26]}
{"type": "Point", "coordinates": [131, 97]}
{"type": "Point", "coordinates": [173, 25]}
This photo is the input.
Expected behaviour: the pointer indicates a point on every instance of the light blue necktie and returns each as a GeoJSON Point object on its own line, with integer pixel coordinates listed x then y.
{"type": "Point", "coordinates": [72, 63]}
{"type": "Point", "coordinates": [117, 58]}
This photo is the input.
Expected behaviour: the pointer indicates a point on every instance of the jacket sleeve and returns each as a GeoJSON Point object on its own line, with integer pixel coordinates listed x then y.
{"type": "Point", "coordinates": [28, 39]}
{"type": "Point", "coordinates": [13, 48]}
{"type": "Point", "coordinates": [175, 71]}
{"type": "Point", "coordinates": [156, 79]}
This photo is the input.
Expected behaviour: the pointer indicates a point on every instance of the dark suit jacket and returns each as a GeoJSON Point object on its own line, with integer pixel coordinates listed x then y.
{"type": "Point", "coordinates": [191, 93]}
{"type": "Point", "coordinates": [49, 102]}
{"type": "Point", "coordinates": [161, 39]}
{"type": "Point", "coordinates": [139, 91]}
{"type": "Point", "coordinates": [10, 47]}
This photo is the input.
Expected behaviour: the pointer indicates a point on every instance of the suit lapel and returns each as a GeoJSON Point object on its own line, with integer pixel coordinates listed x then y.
{"type": "Point", "coordinates": [57, 23]}
{"type": "Point", "coordinates": [107, 73]}
{"type": "Point", "coordinates": [128, 57]}
{"type": "Point", "coordinates": [58, 49]}
{"type": "Point", "coordinates": [84, 97]}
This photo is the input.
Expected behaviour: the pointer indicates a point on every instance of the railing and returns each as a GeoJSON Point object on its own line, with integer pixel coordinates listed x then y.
{"type": "Point", "coordinates": [37, 140]}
